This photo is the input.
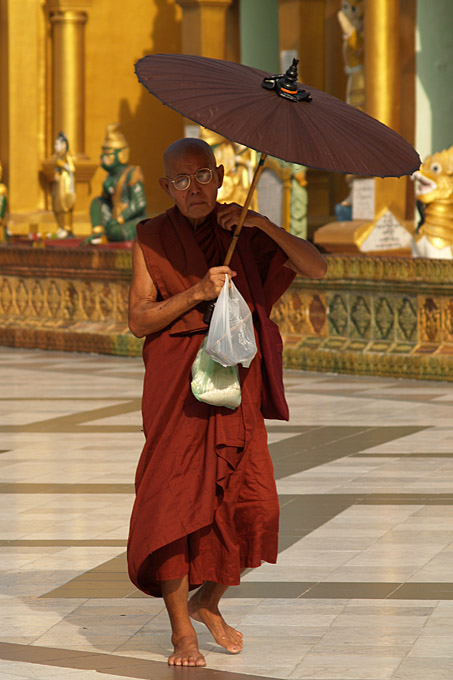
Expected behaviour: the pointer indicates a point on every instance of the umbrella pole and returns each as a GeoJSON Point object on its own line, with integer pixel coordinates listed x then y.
{"type": "Point", "coordinates": [259, 169]}
{"type": "Point", "coordinates": [243, 215]}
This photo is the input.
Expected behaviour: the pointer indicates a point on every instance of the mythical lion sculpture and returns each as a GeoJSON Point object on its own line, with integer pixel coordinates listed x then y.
{"type": "Point", "coordinates": [434, 190]}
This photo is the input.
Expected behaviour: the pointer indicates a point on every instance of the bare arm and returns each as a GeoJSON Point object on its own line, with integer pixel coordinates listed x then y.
{"type": "Point", "coordinates": [147, 315]}
{"type": "Point", "coordinates": [303, 257]}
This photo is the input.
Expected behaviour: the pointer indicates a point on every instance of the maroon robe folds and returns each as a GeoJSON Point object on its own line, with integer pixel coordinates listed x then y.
{"type": "Point", "coordinates": [206, 501]}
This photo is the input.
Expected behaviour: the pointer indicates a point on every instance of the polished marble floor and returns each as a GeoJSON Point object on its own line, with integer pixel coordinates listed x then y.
{"type": "Point", "coordinates": [363, 589]}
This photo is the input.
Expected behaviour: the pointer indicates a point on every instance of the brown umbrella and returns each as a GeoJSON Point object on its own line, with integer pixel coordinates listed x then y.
{"type": "Point", "coordinates": [276, 115]}
{"type": "Point", "coordinates": [324, 132]}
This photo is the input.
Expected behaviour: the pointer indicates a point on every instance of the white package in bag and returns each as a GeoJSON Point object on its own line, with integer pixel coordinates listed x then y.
{"type": "Point", "coordinates": [231, 337]}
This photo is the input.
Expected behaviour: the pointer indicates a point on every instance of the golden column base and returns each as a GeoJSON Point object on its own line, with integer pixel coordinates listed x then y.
{"type": "Point", "coordinates": [381, 228]}
{"type": "Point", "coordinates": [383, 236]}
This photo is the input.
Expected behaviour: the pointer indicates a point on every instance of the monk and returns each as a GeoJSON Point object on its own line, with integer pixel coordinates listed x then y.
{"type": "Point", "coordinates": [206, 505]}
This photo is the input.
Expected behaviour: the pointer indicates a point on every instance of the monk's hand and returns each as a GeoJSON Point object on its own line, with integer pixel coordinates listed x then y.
{"type": "Point", "coordinates": [212, 282]}
{"type": "Point", "coordinates": [228, 216]}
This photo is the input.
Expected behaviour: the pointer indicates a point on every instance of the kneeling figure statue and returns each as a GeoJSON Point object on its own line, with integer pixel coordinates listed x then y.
{"type": "Point", "coordinates": [114, 214]}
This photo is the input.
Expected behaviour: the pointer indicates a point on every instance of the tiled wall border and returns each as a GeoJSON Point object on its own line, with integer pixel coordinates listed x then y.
{"type": "Point", "coordinates": [369, 316]}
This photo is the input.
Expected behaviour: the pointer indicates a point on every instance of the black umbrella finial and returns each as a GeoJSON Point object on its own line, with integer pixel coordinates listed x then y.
{"type": "Point", "coordinates": [291, 76]}
{"type": "Point", "coordinates": [285, 84]}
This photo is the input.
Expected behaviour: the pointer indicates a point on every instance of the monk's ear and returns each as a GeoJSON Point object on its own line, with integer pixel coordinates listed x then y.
{"type": "Point", "coordinates": [164, 185]}
{"type": "Point", "coordinates": [220, 174]}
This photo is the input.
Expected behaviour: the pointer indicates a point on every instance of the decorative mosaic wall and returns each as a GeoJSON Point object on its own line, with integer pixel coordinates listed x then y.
{"type": "Point", "coordinates": [370, 315]}
{"type": "Point", "coordinates": [66, 299]}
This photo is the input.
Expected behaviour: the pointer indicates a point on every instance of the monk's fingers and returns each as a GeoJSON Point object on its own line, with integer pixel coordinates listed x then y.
{"type": "Point", "coordinates": [228, 215]}
{"type": "Point", "coordinates": [213, 287]}
{"type": "Point", "coordinates": [223, 269]}
{"type": "Point", "coordinates": [217, 275]}
{"type": "Point", "coordinates": [214, 280]}
{"type": "Point", "coordinates": [226, 223]}
{"type": "Point", "coordinates": [219, 285]}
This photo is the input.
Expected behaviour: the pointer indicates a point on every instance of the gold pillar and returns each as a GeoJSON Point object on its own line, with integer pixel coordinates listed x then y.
{"type": "Point", "coordinates": [382, 101]}
{"type": "Point", "coordinates": [204, 27]}
{"type": "Point", "coordinates": [22, 31]}
{"type": "Point", "coordinates": [67, 19]}
{"type": "Point", "coordinates": [382, 70]}
{"type": "Point", "coordinates": [383, 91]}
{"type": "Point", "coordinates": [68, 72]}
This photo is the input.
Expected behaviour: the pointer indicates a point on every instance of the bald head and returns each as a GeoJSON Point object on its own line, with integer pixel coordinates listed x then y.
{"type": "Point", "coordinates": [189, 146]}
{"type": "Point", "coordinates": [185, 158]}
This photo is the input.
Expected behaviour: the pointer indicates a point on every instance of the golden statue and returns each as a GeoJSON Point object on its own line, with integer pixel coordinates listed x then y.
{"type": "Point", "coordinates": [63, 194]}
{"type": "Point", "coordinates": [350, 18]}
{"type": "Point", "coordinates": [434, 191]}
{"type": "Point", "coordinates": [239, 162]}
{"type": "Point", "coordinates": [3, 205]}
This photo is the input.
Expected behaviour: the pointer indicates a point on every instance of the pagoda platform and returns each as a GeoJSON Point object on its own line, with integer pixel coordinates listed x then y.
{"type": "Point", "coordinates": [368, 316]}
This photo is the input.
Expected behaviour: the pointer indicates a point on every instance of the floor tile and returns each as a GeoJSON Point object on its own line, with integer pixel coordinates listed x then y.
{"type": "Point", "coordinates": [363, 587]}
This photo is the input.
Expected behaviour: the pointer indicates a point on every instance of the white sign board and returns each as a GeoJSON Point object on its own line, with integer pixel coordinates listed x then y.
{"type": "Point", "coordinates": [363, 199]}
{"type": "Point", "coordinates": [387, 234]}
{"type": "Point", "coordinates": [191, 130]}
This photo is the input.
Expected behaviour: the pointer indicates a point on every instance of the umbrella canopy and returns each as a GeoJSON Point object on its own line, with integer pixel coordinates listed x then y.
{"type": "Point", "coordinates": [276, 115]}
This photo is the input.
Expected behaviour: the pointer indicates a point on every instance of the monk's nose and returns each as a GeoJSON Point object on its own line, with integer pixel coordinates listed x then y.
{"type": "Point", "coordinates": [194, 188]}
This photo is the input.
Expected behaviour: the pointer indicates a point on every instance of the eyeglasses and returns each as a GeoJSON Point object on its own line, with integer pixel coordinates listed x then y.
{"type": "Point", "coordinates": [182, 182]}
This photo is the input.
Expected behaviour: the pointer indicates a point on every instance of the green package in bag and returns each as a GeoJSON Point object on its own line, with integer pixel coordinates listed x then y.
{"type": "Point", "coordinates": [213, 383]}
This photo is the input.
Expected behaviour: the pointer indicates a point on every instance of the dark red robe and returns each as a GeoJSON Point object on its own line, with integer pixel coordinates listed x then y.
{"type": "Point", "coordinates": [206, 500]}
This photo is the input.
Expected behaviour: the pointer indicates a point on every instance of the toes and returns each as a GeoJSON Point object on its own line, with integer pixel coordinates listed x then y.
{"type": "Point", "coordinates": [183, 661]}
{"type": "Point", "coordinates": [234, 649]}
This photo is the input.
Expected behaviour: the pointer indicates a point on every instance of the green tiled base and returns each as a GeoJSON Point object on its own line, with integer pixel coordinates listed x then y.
{"type": "Point", "coordinates": [437, 367]}
{"type": "Point", "coordinates": [65, 339]}
{"type": "Point", "coordinates": [374, 316]}
{"type": "Point", "coordinates": [368, 316]}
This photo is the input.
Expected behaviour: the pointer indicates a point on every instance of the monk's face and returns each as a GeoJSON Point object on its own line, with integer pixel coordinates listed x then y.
{"type": "Point", "coordinates": [198, 200]}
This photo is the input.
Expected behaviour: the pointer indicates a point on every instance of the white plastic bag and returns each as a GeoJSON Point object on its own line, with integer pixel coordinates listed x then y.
{"type": "Point", "coordinates": [231, 337]}
{"type": "Point", "coordinates": [215, 384]}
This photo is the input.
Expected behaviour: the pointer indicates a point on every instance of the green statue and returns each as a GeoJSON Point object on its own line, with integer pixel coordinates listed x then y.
{"type": "Point", "coordinates": [3, 205]}
{"type": "Point", "coordinates": [114, 214]}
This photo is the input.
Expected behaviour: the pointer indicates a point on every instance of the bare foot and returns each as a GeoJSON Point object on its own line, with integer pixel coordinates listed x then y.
{"type": "Point", "coordinates": [223, 634]}
{"type": "Point", "coordinates": [186, 652]}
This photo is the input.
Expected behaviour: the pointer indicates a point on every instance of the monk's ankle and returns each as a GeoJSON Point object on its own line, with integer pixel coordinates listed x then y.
{"type": "Point", "coordinates": [204, 601]}
{"type": "Point", "coordinates": [185, 639]}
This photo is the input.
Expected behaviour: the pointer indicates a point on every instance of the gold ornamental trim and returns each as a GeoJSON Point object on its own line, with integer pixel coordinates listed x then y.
{"type": "Point", "coordinates": [68, 5]}
{"type": "Point", "coordinates": [369, 316]}
{"type": "Point", "coordinates": [68, 17]}
{"type": "Point", "coordinates": [204, 3]}
{"type": "Point", "coordinates": [64, 262]}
